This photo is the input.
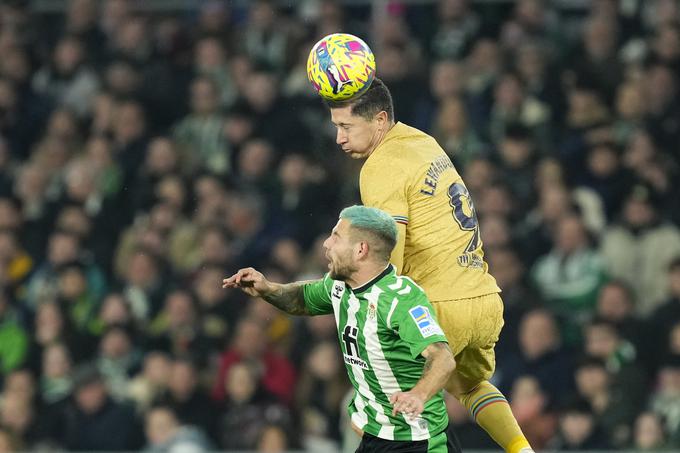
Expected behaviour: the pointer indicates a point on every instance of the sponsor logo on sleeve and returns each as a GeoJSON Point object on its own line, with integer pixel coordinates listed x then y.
{"type": "Point", "coordinates": [338, 291]}
{"type": "Point", "coordinates": [425, 322]}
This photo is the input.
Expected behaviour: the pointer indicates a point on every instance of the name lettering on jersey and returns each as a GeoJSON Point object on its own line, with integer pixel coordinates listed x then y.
{"type": "Point", "coordinates": [351, 355]}
{"type": "Point", "coordinates": [437, 167]}
{"type": "Point", "coordinates": [425, 322]}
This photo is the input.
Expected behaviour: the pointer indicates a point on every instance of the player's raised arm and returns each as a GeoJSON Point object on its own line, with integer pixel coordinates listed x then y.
{"type": "Point", "coordinates": [439, 364]}
{"type": "Point", "coordinates": [286, 297]}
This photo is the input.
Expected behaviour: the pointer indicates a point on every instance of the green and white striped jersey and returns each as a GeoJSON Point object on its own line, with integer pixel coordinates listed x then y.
{"type": "Point", "coordinates": [383, 326]}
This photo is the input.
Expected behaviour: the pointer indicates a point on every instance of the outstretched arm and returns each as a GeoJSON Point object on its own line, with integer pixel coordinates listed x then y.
{"type": "Point", "coordinates": [286, 297]}
{"type": "Point", "coordinates": [439, 364]}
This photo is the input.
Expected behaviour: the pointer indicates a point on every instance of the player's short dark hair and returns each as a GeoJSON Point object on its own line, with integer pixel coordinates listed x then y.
{"type": "Point", "coordinates": [375, 100]}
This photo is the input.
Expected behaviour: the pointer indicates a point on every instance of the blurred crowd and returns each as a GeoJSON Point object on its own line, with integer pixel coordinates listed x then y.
{"type": "Point", "coordinates": [145, 156]}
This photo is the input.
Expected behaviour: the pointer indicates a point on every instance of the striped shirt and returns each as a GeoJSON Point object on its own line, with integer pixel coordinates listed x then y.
{"type": "Point", "coordinates": [383, 326]}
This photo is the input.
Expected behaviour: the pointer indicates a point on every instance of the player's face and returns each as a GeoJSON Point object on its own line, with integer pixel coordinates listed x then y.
{"type": "Point", "coordinates": [340, 252]}
{"type": "Point", "coordinates": [356, 136]}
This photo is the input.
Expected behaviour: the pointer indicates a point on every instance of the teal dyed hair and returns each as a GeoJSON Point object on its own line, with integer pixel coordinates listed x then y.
{"type": "Point", "coordinates": [377, 223]}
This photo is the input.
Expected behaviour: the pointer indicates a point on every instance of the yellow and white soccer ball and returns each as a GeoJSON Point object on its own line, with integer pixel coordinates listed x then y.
{"type": "Point", "coordinates": [340, 66]}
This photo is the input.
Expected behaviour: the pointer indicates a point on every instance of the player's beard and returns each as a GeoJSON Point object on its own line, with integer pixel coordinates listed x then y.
{"type": "Point", "coordinates": [342, 267]}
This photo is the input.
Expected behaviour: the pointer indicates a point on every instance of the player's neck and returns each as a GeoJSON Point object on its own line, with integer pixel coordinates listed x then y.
{"type": "Point", "coordinates": [380, 136]}
{"type": "Point", "coordinates": [367, 273]}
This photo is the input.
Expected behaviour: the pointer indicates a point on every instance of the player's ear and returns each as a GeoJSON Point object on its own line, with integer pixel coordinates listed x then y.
{"type": "Point", "coordinates": [362, 249]}
{"type": "Point", "coordinates": [381, 118]}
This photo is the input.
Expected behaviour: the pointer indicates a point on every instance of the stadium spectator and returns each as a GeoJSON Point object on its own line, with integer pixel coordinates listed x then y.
{"type": "Point", "coordinates": [321, 389]}
{"type": "Point", "coordinates": [517, 158]}
{"type": "Point", "coordinates": [616, 304]}
{"type": "Point", "coordinates": [603, 341]}
{"type": "Point", "coordinates": [200, 134]}
{"type": "Point", "coordinates": [456, 28]}
{"type": "Point", "coordinates": [613, 409]}
{"type": "Point", "coordinates": [117, 360]}
{"type": "Point", "coordinates": [664, 401]}
{"type": "Point", "coordinates": [19, 417]}
{"type": "Point", "coordinates": [264, 40]}
{"type": "Point", "coordinates": [541, 355]}
{"type": "Point", "coordinates": [56, 382]}
{"type": "Point", "coordinates": [578, 429]}
{"type": "Point", "coordinates": [176, 328]}
{"type": "Point", "coordinates": [649, 433]}
{"type": "Point", "coordinates": [278, 374]}
{"type": "Point", "coordinates": [186, 397]}
{"type": "Point", "coordinates": [9, 442]}
{"type": "Point", "coordinates": [642, 238]}
{"type": "Point", "coordinates": [531, 407]}
{"type": "Point", "coordinates": [273, 438]}
{"type": "Point", "coordinates": [452, 130]}
{"type": "Point", "coordinates": [518, 296]}
{"type": "Point", "coordinates": [166, 433]}
{"type": "Point", "coordinates": [211, 60]}
{"type": "Point", "coordinates": [667, 315]}
{"type": "Point", "coordinates": [249, 408]}
{"type": "Point", "coordinates": [148, 385]}
{"type": "Point", "coordinates": [570, 276]}
{"type": "Point", "coordinates": [93, 421]}
{"type": "Point", "coordinates": [67, 80]}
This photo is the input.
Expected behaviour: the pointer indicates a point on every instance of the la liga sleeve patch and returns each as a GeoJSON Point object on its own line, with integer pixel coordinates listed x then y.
{"type": "Point", "coordinates": [425, 322]}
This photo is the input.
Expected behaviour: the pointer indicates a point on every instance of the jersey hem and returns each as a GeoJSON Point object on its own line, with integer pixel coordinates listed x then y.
{"type": "Point", "coordinates": [412, 438]}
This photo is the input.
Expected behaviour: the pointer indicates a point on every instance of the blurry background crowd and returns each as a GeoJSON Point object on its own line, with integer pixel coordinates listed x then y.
{"type": "Point", "coordinates": [146, 155]}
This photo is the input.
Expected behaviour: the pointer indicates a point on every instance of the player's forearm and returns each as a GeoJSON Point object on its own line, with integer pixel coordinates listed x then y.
{"type": "Point", "coordinates": [287, 297]}
{"type": "Point", "coordinates": [439, 364]}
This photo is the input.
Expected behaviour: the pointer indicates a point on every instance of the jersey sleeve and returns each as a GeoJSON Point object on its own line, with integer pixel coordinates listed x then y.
{"type": "Point", "coordinates": [385, 188]}
{"type": "Point", "coordinates": [415, 322]}
{"type": "Point", "coordinates": [317, 296]}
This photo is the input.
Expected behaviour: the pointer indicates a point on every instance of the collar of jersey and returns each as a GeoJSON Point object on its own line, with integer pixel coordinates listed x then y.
{"type": "Point", "coordinates": [393, 133]}
{"type": "Point", "coordinates": [374, 280]}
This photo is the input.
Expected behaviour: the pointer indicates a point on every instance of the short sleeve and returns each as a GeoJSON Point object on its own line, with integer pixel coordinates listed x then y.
{"type": "Point", "coordinates": [416, 324]}
{"type": "Point", "coordinates": [317, 296]}
{"type": "Point", "coordinates": [386, 189]}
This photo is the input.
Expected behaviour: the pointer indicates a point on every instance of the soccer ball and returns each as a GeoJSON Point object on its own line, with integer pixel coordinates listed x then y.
{"type": "Point", "coordinates": [340, 66]}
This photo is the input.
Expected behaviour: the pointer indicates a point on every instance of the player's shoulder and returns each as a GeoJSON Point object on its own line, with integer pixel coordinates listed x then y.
{"type": "Point", "coordinates": [402, 287]}
{"type": "Point", "coordinates": [406, 151]}
{"type": "Point", "coordinates": [407, 138]}
{"type": "Point", "coordinates": [404, 295]}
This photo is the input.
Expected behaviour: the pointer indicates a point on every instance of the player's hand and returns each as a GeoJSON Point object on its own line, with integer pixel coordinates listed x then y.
{"type": "Point", "coordinates": [407, 403]}
{"type": "Point", "coordinates": [249, 281]}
